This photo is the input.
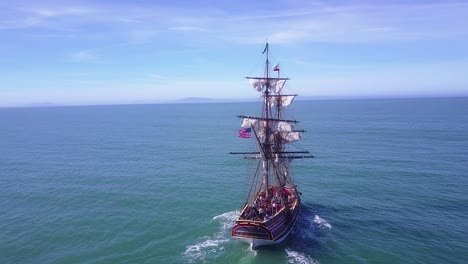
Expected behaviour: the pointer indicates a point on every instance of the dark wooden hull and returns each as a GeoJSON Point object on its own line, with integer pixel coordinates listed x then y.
{"type": "Point", "coordinates": [273, 231]}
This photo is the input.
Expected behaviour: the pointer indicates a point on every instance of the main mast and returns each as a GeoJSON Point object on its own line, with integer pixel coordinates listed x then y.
{"type": "Point", "coordinates": [266, 143]}
{"type": "Point", "coordinates": [271, 131]}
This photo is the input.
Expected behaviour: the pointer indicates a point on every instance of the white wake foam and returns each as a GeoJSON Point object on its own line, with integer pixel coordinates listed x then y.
{"type": "Point", "coordinates": [321, 222]}
{"type": "Point", "coordinates": [199, 251]}
{"type": "Point", "coordinates": [226, 219]}
{"type": "Point", "coordinates": [253, 251]}
{"type": "Point", "coordinates": [229, 216]}
{"type": "Point", "coordinates": [213, 245]}
{"type": "Point", "coordinates": [300, 258]}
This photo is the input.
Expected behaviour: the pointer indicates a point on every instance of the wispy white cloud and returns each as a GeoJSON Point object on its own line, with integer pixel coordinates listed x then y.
{"type": "Point", "coordinates": [346, 23]}
{"type": "Point", "coordinates": [351, 23]}
{"type": "Point", "coordinates": [156, 76]}
{"type": "Point", "coordinates": [55, 11]}
{"type": "Point", "coordinates": [326, 66]}
{"type": "Point", "coordinates": [82, 55]}
{"type": "Point", "coordinates": [36, 15]}
{"type": "Point", "coordinates": [177, 38]}
{"type": "Point", "coordinates": [142, 35]}
{"type": "Point", "coordinates": [188, 28]}
{"type": "Point", "coordinates": [404, 80]}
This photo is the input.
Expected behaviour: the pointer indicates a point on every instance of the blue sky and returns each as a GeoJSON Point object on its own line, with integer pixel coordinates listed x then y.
{"type": "Point", "coordinates": [100, 52]}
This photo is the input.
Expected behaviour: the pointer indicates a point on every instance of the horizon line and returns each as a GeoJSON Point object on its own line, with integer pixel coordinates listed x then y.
{"type": "Point", "coordinates": [204, 100]}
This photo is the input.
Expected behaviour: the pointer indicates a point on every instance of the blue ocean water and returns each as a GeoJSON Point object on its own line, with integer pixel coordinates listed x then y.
{"type": "Point", "coordinates": [154, 183]}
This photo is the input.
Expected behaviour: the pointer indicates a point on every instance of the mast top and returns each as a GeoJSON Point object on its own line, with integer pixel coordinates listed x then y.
{"type": "Point", "coordinates": [266, 48]}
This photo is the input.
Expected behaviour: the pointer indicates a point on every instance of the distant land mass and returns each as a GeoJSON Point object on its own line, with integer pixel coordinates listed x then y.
{"type": "Point", "coordinates": [197, 100]}
{"type": "Point", "coordinates": [299, 98]}
{"type": "Point", "coordinates": [41, 104]}
{"type": "Point", "coordinates": [204, 100]}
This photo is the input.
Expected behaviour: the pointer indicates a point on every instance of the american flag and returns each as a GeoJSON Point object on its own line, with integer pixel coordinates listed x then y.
{"type": "Point", "coordinates": [245, 133]}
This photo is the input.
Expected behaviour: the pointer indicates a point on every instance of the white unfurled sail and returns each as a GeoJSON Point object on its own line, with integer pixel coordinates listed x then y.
{"type": "Point", "coordinates": [278, 85]}
{"type": "Point", "coordinates": [282, 100]}
{"type": "Point", "coordinates": [290, 136]}
{"type": "Point", "coordinates": [275, 84]}
{"type": "Point", "coordinates": [257, 124]}
{"type": "Point", "coordinates": [281, 128]}
{"type": "Point", "coordinates": [253, 122]}
{"type": "Point", "coordinates": [285, 130]}
{"type": "Point", "coordinates": [258, 84]}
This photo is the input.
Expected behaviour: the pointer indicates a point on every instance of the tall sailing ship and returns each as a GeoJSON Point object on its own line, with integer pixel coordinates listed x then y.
{"type": "Point", "coordinates": [272, 206]}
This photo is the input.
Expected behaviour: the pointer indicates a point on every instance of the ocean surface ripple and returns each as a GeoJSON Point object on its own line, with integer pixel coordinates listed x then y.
{"type": "Point", "coordinates": [154, 183]}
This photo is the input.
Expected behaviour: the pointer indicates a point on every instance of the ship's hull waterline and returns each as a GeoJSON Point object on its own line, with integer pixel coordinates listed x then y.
{"type": "Point", "coordinates": [271, 232]}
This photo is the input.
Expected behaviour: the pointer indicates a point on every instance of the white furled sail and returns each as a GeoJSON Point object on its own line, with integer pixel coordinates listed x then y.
{"type": "Point", "coordinates": [282, 100]}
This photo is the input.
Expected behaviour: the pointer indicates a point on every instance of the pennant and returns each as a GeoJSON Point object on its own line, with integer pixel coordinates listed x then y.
{"type": "Point", "coordinates": [276, 67]}
{"type": "Point", "coordinates": [266, 48]}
